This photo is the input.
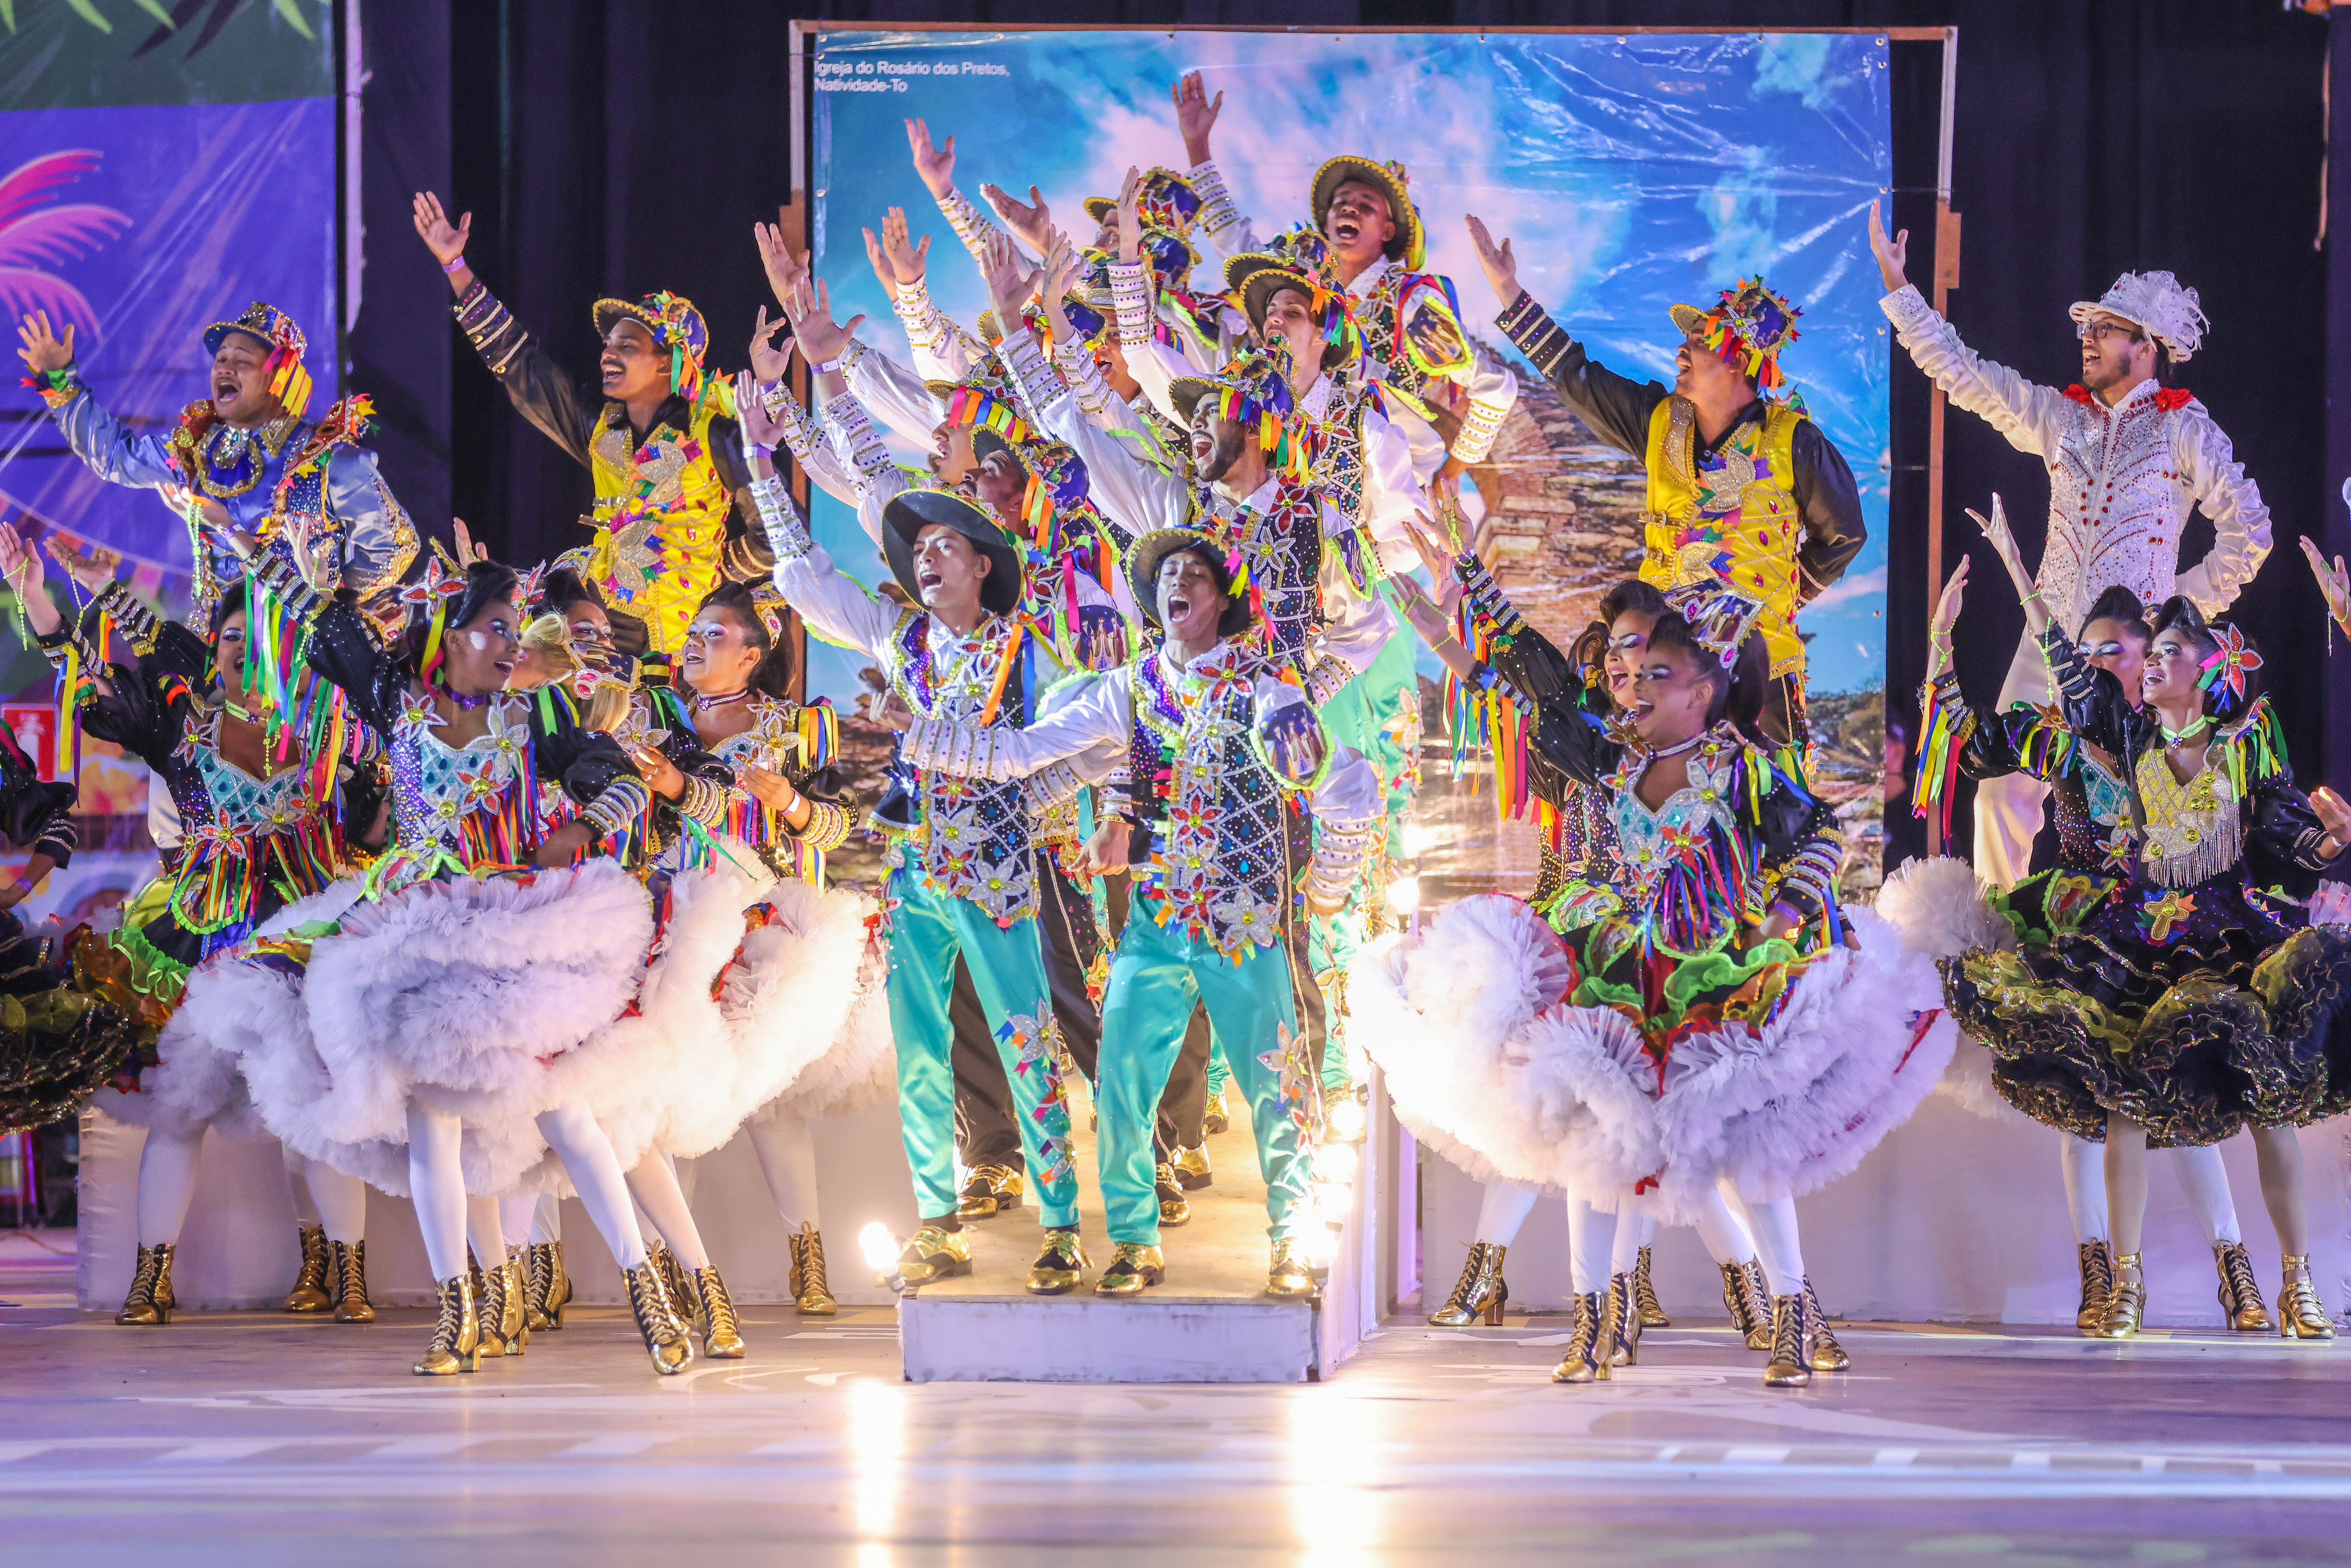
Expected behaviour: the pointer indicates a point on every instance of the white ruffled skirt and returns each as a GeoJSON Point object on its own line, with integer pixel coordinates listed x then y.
{"type": "Point", "coordinates": [1942, 909]}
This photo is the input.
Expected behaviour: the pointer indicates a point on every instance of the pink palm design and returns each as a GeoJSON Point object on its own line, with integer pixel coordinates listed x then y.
{"type": "Point", "coordinates": [34, 236]}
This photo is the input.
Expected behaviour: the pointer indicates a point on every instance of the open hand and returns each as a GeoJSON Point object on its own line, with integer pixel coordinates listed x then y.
{"type": "Point", "coordinates": [445, 239]}
{"type": "Point", "coordinates": [93, 568]}
{"type": "Point", "coordinates": [1061, 272]}
{"type": "Point", "coordinates": [751, 416]}
{"type": "Point", "coordinates": [1499, 262]}
{"type": "Point", "coordinates": [43, 351]}
{"type": "Point", "coordinates": [786, 272]}
{"type": "Point", "coordinates": [1195, 115]}
{"type": "Point", "coordinates": [1011, 283]}
{"type": "Point", "coordinates": [768, 361]}
{"type": "Point", "coordinates": [1893, 255]}
{"type": "Point", "coordinates": [770, 788]}
{"type": "Point", "coordinates": [2333, 582]}
{"type": "Point", "coordinates": [1029, 221]}
{"type": "Point", "coordinates": [1947, 609]}
{"type": "Point", "coordinates": [934, 164]}
{"type": "Point", "coordinates": [468, 552]}
{"type": "Point", "coordinates": [2335, 817]}
{"type": "Point", "coordinates": [820, 336]}
{"type": "Point", "coordinates": [1130, 216]}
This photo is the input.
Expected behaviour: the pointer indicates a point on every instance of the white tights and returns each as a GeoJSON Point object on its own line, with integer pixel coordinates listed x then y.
{"type": "Point", "coordinates": [2202, 1177]}
{"type": "Point", "coordinates": [437, 1181]}
{"type": "Point", "coordinates": [547, 1220]}
{"type": "Point", "coordinates": [1773, 1222]}
{"type": "Point", "coordinates": [337, 1201]}
{"type": "Point", "coordinates": [786, 1151]}
{"type": "Point", "coordinates": [1593, 1238]}
{"type": "Point", "coordinates": [654, 1184]}
{"type": "Point", "coordinates": [517, 1211]}
{"type": "Point", "coordinates": [167, 1184]}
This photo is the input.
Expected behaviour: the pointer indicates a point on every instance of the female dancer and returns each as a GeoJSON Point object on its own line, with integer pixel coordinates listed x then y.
{"type": "Point", "coordinates": [435, 1023]}
{"type": "Point", "coordinates": [1712, 1014]}
{"type": "Point", "coordinates": [2197, 1000]}
{"type": "Point", "coordinates": [1940, 907]}
{"type": "Point", "coordinates": [791, 989]}
{"type": "Point", "coordinates": [1574, 851]}
{"type": "Point", "coordinates": [258, 830]}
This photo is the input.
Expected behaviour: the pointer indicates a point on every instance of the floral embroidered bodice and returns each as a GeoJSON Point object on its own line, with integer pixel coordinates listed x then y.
{"type": "Point", "coordinates": [458, 801]}
{"type": "Point", "coordinates": [218, 799]}
{"type": "Point", "coordinates": [977, 835]}
{"type": "Point", "coordinates": [2193, 831]}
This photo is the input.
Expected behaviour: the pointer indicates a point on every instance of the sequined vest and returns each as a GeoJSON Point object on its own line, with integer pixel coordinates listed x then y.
{"type": "Point", "coordinates": [1730, 517]}
{"type": "Point", "coordinates": [661, 515]}
{"type": "Point", "coordinates": [976, 836]}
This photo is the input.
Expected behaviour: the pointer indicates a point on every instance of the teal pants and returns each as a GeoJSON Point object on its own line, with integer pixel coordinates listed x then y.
{"type": "Point", "coordinates": [927, 931]}
{"type": "Point", "coordinates": [1158, 975]}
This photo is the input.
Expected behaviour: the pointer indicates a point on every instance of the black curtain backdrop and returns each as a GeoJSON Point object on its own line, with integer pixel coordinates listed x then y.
{"type": "Point", "coordinates": [620, 146]}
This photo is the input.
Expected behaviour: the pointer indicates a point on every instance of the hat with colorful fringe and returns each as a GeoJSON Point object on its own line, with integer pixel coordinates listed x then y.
{"type": "Point", "coordinates": [1748, 328]}
{"type": "Point", "coordinates": [675, 325]}
{"type": "Point", "coordinates": [911, 511]}
{"type": "Point", "coordinates": [1144, 556]}
{"type": "Point", "coordinates": [1252, 392]}
{"type": "Point", "coordinates": [289, 382]}
{"type": "Point", "coordinates": [1297, 258]}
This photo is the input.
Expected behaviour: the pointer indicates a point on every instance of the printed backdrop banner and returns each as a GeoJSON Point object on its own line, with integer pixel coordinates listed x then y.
{"type": "Point", "coordinates": [1631, 173]}
{"type": "Point", "coordinates": [152, 181]}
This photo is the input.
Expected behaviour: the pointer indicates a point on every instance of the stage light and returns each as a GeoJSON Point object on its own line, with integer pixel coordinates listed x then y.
{"type": "Point", "coordinates": [1416, 841]}
{"type": "Point", "coordinates": [881, 1249]}
{"type": "Point", "coordinates": [1403, 895]}
{"type": "Point", "coordinates": [1346, 1125]}
{"type": "Point", "coordinates": [1334, 1205]}
{"type": "Point", "coordinates": [1336, 1162]}
{"type": "Point", "coordinates": [1321, 1246]}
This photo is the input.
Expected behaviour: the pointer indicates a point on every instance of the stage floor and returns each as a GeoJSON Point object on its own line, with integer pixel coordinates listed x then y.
{"type": "Point", "coordinates": [237, 1437]}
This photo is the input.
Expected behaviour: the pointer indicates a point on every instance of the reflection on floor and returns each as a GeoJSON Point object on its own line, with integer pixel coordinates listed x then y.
{"type": "Point", "coordinates": [245, 1437]}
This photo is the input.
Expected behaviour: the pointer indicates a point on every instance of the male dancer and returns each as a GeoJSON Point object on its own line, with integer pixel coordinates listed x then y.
{"type": "Point", "coordinates": [662, 444]}
{"type": "Point", "coordinates": [1740, 488]}
{"type": "Point", "coordinates": [2128, 458]}
{"type": "Point", "coordinates": [1215, 745]}
{"type": "Point", "coordinates": [251, 466]}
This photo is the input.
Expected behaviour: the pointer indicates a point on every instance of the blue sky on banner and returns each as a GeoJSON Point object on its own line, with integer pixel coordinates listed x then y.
{"type": "Point", "coordinates": [1630, 171]}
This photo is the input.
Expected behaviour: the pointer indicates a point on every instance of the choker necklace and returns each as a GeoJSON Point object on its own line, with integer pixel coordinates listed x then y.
{"type": "Point", "coordinates": [2182, 736]}
{"type": "Point", "coordinates": [1677, 748]}
{"type": "Point", "coordinates": [466, 704]}
{"type": "Point", "coordinates": [703, 705]}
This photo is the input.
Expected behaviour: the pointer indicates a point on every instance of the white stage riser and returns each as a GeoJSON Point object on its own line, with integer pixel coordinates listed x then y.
{"type": "Point", "coordinates": [1085, 1341]}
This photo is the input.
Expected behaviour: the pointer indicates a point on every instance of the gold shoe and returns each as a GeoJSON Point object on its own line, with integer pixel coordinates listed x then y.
{"type": "Point", "coordinates": [1751, 1310]}
{"type": "Point", "coordinates": [2126, 1302]}
{"type": "Point", "coordinates": [1132, 1266]}
{"type": "Point", "coordinates": [1174, 1208]}
{"type": "Point", "coordinates": [150, 1303]}
{"type": "Point", "coordinates": [934, 1254]}
{"type": "Point", "coordinates": [714, 1316]}
{"type": "Point", "coordinates": [350, 1276]}
{"type": "Point", "coordinates": [2097, 1259]}
{"type": "Point", "coordinates": [2241, 1306]}
{"type": "Point", "coordinates": [311, 1291]}
{"type": "Point", "coordinates": [672, 1275]}
{"type": "Point", "coordinates": [1481, 1291]}
{"type": "Point", "coordinates": [1621, 1347]}
{"type": "Point", "coordinates": [1759, 1300]}
{"type": "Point", "coordinates": [1289, 1275]}
{"type": "Point", "coordinates": [1583, 1364]}
{"type": "Point", "coordinates": [457, 1332]}
{"type": "Point", "coordinates": [812, 1290]}
{"type": "Point", "coordinates": [1059, 1265]}
{"type": "Point", "coordinates": [2301, 1315]}
{"type": "Point", "coordinates": [1790, 1367]}
{"type": "Point", "coordinates": [490, 1315]}
{"type": "Point", "coordinates": [1192, 1172]}
{"type": "Point", "coordinates": [513, 1316]}
{"type": "Point", "coordinates": [1825, 1353]}
{"type": "Point", "coordinates": [548, 1287]}
{"type": "Point", "coordinates": [657, 1320]}
{"type": "Point", "coordinates": [1653, 1316]}
{"type": "Point", "coordinates": [991, 1190]}
{"type": "Point", "coordinates": [1219, 1119]}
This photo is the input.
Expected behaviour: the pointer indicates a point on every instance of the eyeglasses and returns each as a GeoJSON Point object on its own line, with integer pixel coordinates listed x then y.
{"type": "Point", "coordinates": [2099, 331]}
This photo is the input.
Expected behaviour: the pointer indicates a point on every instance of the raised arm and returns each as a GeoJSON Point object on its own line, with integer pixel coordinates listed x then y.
{"type": "Point", "coordinates": [835, 608]}
{"type": "Point", "coordinates": [2241, 522]}
{"type": "Point", "coordinates": [534, 383]}
{"type": "Point", "coordinates": [112, 451]}
{"type": "Point", "coordinates": [1616, 409]}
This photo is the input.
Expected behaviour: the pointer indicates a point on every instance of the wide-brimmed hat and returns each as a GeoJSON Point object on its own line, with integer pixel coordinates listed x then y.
{"type": "Point", "coordinates": [289, 382]}
{"type": "Point", "coordinates": [1747, 328]}
{"type": "Point", "coordinates": [911, 511]}
{"type": "Point", "coordinates": [1297, 258]}
{"type": "Point", "coordinates": [1167, 202]}
{"type": "Point", "coordinates": [675, 325]}
{"type": "Point", "coordinates": [1410, 245]}
{"type": "Point", "coordinates": [2155, 302]}
{"type": "Point", "coordinates": [1143, 561]}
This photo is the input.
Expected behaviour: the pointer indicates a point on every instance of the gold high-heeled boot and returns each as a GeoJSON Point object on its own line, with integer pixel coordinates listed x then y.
{"type": "Point", "coordinates": [150, 1303]}
{"type": "Point", "coordinates": [1653, 1315]}
{"type": "Point", "coordinates": [351, 1303]}
{"type": "Point", "coordinates": [714, 1317]}
{"type": "Point", "coordinates": [665, 1336]}
{"type": "Point", "coordinates": [1825, 1353]}
{"type": "Point", "coordinates": [1622, 1346]}
{"type": "Point", "coordinates": [1791, 1365]}
{"type": "Point", "coordinates": [538, 1279]}
{"type": "Point", "coordinates": [1481, 1291]}
{"type": "Point", "coordinates": [811, 1290]}
{"type": "Point", "coordinates": [673, 1274]}
{"type": "Point", "coordinates": [312, 1291]}
{"type": "Point", "coordinates": [2301, 1315]}
{"type": "Point", "coordinates": [2242, 1307]}
{"type": "Point", "coordinates": [2126, 1302]}
{"type": "Point", "coordinates": [1751, 1315]}
{"type": "Point", "coordinates": [513, 1317]}
{"type": "Point", "coordinates": [1583, 1362]}
{"type": "Point", "coordinates": [457, 1332]}
{"type": "Point", "coordinates": [490, 1313]}
{"type": "Point", "coordinates": [2097, 1260]}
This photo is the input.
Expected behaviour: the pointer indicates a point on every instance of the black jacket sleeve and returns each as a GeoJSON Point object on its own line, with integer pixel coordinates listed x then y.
{"type": "Point", "coordinates": [37, 817]}
{"type": "Point", "coordinates": [1617, 410]}
{"type": "Point", "coordinates": [1830, 502]}
{"type": "Point", "coordinates": [535, 384]}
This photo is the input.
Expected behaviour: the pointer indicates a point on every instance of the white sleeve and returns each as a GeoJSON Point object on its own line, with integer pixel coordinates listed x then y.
{"type": "Point", "coordinates": [2027, 414]}
{"type": "Point", "coordinates": [2240, 523]}
{"type": "Point", "coordinates": [1220, 221]}
{"type": "Point", "coordinates": [809, 448]}
{"type": "Point", "coordinates": [943, 352]}
{"type": "Point", "coordinates": [1360, 627]}
{"type": "Point", "coordinates": [1154, 365]}
{"type": "Point", "coordinates": [1492, 390]}
{"type": "Point", "coordinates": [858, 448]}
{"type": "Point", "coordinates": [894, 394]}
{"type": "Point", "coordinates": [835, 608]}
{"type": "Point", "coordinates": [1392, 493]}
{"type": "Point", "coordinates": [1089, 724]}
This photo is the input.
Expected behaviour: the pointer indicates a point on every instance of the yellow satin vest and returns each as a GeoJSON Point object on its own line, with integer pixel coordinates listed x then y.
{"type": "Point", "coordinates": [660, 517]}
{"type": "Point", "coordinates": [1734, 518]}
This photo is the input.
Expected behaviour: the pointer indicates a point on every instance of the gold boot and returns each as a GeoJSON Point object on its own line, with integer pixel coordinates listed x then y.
{"type": "Point", "coordinates": [456, 1333]}
{"type": "Point", "coordinates": [990, 1191]}
{"type": "Point", "coordinates": [714, 1317]}
{"type": "Point", "coordinates": [351, 1303]}
{"type": "Point", "coordinates": [1653, 1316]}
{"type": "Point", "coordinates": [1750, 1315]}
{"type": "Point", "coordinates": [1192, 1172]}
{"type": "Point", "coordinates": [672, 1276]}
{"type": "Point", "coordinates": [666, 1337]}
{"type": "Point", "coordinates": [559, 1290]}
{"type": "Point", "coordinates": [2125, 1301]}
{"type": "Point", "coordinates": [490, 1315]}
{"type": "Point", "coordinates": [540, 1307]}
{"type": "Point", "coordinates": [1132, 1266]}
{"type": "Point", "coordinates": [1174, 1208]}
{"type": "Point", "coordinates": [1481, 1291]}
{"type": "Point", "coordinates": [1289, 1275]}
{"type": "Point", "coordinates": [1758, 1298]}
{"type": "Point", "coordinates": [2300, 1313]}
{"type": "Point", "coordinates": [1622, 1346]}
{"type": "Point", "coordinates": [812, 1290]}
{"type": "Point", "coordinates": [1583, 1362]}
{"type": "Point", "coordinates": [1825, 1353]}
{"type": "Point", "coordinates": [1219, 1119]}
{"type": "Point", "coordinates": [1791, 1365]}
{"type": "Point", "coordinates": [150, 1303]}
{"type": "Point", "coordinates": [934, 1254]}
{"type": "Point", "coordinates": [1059, 1265]}
{"type": "Point", "coordinates": [312, 1286]}
{"type": "Point", "coordinates": [2242, 1307]}
{"type": "Point", "coordinates": [2097, 1260]}
{"type": "Point", "coordinates": [513, 1319]}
